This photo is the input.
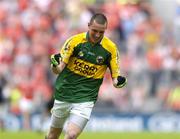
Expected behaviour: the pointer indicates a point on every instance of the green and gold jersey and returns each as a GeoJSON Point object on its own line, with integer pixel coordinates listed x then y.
{"type": "Point", "coordinates": [86, 65]}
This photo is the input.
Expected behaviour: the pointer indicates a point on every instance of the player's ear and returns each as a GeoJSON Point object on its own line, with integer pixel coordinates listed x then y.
{"type": "Point", "coordinates": [89, 24]}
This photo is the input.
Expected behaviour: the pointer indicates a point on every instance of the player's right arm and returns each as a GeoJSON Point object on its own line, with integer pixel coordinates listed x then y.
{"type": "Point", "coordinates": [60, 60]}
{"type": "Point", "coordinates": [57, 65]}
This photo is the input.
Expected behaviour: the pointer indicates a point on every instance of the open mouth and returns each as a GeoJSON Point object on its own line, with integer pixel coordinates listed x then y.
{"type": "Point", "coordinates": [96, 38]}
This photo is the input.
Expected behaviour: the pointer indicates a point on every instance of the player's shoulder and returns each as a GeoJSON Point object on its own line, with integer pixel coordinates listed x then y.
{"type": "Point", "coordinates": [107, 41]}
{"type": "Point", "coordinates": [78, 37]}
{"type": "Point", "coordinates": [108, 44]}
{"type": "Point", "coordinates": [75, 39]}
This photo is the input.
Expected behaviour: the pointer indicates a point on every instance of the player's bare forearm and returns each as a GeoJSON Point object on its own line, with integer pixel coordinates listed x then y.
{"type": "Point", "coordinates": [58, 69]}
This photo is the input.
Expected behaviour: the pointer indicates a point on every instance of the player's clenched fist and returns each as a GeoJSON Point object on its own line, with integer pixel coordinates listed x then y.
{"type": "Point", "coordinates": [55, 59]}
{"type": "Point", "coordinates": [120, 82]}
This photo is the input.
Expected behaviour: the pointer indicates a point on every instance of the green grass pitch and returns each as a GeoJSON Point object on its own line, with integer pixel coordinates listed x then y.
{"type": "Point", "coordinates": [92, 135]}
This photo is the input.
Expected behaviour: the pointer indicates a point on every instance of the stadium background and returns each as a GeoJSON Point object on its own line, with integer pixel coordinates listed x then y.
{"type": "Point", "coordinates": [147, 33]}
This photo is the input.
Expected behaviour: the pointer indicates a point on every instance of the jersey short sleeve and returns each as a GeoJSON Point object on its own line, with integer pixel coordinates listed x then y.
{"type": "Point", "coordinates": [114, 62]}
{"type": "Point", "coordinates": [67, 50]}
{"type": "Point", "coordinates": [114, 57]}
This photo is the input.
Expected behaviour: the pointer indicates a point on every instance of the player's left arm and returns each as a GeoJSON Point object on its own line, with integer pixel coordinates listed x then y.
{"type": "Point", "coordinates": [119, 81]}
{"type": "Point", "coordinates": [60, 60]}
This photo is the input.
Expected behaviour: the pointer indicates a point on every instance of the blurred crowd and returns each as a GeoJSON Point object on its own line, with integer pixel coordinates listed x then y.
{"type": "Point", "coordinates": [32, 30]}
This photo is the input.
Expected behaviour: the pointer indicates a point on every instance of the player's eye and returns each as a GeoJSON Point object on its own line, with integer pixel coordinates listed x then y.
{"type": "Point", "coordinates": [96, 31]}
{"type": "Point", "coordinates": [101, 32]}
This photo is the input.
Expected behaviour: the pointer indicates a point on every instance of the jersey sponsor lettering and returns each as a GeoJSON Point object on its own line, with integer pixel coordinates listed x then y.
{"type": "Point", "coordinates": [84, 68]}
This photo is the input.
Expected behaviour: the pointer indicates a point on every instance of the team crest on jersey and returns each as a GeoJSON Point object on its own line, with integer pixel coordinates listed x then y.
{"type": "Point", "coordinates": [99, 59]}
{"type": "Point", "coordinates": [80, 54]}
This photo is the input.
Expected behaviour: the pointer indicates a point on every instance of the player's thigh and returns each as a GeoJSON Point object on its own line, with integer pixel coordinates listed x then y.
{"type": "Point", "coordinates": [80, 114]}
{"type": "Point", "coordinates": [55, 127]}
{"type": "Point", "coordinates": [77, 122]}
{"type": "Point", "coordinates": [75, 126]}
{"type": "Point", "coordinates": [57, 122]}
{"type": "Point", "coordinates": [60, 112]}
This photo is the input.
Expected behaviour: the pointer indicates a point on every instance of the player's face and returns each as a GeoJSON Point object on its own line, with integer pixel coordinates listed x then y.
{"type": "Point", "coordinates": [96, 31]}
